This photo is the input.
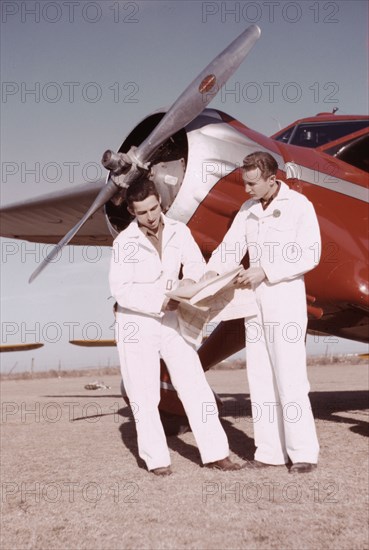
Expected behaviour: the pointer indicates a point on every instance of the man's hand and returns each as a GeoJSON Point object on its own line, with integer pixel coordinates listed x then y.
{"type": "Point", "coordinates": [251, 277]}
{"type": "Point", "coordinates": [185, 282]}
{"type": "Point", "coordinates": [208, 275]}
{"type": "Point", "coordinates": [172, 305]}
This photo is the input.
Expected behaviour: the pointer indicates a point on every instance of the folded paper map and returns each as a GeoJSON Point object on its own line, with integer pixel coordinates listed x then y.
{"type": "Point", "coordinates": [213, 300]}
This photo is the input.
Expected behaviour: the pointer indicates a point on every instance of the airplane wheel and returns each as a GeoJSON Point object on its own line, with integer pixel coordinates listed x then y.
{"type": "Point", "coordinates": [173, 424]}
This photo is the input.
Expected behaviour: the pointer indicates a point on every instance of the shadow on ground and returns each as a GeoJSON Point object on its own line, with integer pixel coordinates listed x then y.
{"type": "Point", "coordinates": [326, 405]}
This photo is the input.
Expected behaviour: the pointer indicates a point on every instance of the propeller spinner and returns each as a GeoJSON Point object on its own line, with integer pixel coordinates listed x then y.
{"type": "Point", "coordinates": [125, 168]}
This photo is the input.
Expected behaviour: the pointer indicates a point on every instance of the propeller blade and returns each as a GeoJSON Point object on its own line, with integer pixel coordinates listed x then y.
{"type": "Point", "coordinates": [187, 107]}
{"type": "Point", "coordinates": [104, 195]}
{"type": "Point", "coordinates": [200, 92]}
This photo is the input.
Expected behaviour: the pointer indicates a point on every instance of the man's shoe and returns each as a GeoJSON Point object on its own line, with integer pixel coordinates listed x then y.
{"type": "Point", "coordinates": [225, 464]}
{"type": "Point", "coordinates": [164, 471]}
{"type": "Point", "coordinates": [256, 465]}
{"type": "Point", "coordinates": [302, 468]}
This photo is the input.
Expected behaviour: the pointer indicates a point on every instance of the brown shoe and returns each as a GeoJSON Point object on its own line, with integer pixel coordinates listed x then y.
{"type": "Point", "coordinates": [225, 464]}
{"type": "Point", "coordinates": [256, 465]}
{"type": "Point", "coordinates": [164, 471]}
{"type": "Point", "coordinates": [302, 468]}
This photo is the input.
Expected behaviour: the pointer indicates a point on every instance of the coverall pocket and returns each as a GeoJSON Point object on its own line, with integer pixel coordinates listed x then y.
{"type": "Point", "coordinates": [281, 233]}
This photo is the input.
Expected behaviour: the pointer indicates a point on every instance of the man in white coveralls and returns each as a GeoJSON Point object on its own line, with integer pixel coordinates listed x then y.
{"type": "Point", "coordinates": [146, 261]}
{"type": "Point", "coordinates": [280, 230]}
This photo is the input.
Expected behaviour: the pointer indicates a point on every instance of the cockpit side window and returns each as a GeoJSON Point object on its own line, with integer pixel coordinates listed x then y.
{"type": "Point", "coordinates": [353, 151]}
{"type": "Point", "coordinates": [317, 134]}
{"type": "Point", "coordinates": [285, 137]}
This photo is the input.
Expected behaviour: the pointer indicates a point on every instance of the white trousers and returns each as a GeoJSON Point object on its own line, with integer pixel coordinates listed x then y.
{"type": "Point", "coordinates": [142, 340]}
{"type": "Point", "coordinates": [276, 369]}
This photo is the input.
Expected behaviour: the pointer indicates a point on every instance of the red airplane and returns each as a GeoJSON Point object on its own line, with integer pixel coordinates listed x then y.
{"type": "Point", "coordinates": [194, 154]}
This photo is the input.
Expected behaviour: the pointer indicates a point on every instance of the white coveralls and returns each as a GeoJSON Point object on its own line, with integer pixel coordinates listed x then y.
{"type": "Point", "coordinates": [283, 239]}
{"type": "Point", "coordinates": [144, 334]}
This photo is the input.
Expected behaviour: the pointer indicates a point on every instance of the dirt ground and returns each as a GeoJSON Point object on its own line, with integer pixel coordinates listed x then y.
{"type": "Point", "coordinates": [71, 477]}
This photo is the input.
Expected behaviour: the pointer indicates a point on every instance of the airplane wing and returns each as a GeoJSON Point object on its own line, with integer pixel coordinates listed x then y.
{"type": "Point", "coordinates": [46, 219]}
{"type": "Point", "coordinates": [19, 347]}
{"type": "Point", "coordinates": [93, 343]}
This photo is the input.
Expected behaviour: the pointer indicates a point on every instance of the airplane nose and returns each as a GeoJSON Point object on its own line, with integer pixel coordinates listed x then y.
{"type": "Point", "coordinates": [349, 282]}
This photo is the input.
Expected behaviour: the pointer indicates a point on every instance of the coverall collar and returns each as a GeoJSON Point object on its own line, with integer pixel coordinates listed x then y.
{"type": "Point", "coordinates": [169, 229]}
{"type": "Point", "coordinates": [256, 208]}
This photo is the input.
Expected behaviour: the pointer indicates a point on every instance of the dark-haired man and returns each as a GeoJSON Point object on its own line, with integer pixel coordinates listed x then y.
{"type": "Point", "coordinates": [146, 261]}
{"type": "Point", "coordinates": [279, 229]}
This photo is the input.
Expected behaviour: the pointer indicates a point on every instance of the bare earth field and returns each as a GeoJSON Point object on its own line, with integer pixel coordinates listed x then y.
{"type": "Point", "coordinates": [71, 477]}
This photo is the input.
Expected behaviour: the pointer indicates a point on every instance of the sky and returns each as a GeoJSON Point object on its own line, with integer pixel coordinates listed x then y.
{"type": "Point", "coordinates": [77, 76]}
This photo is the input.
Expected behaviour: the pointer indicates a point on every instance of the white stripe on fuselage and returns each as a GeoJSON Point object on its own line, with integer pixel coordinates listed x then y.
{"type": "Point", "coordinates": [202, 174]}
{"type": "Point", "coordinates": [337, 185]}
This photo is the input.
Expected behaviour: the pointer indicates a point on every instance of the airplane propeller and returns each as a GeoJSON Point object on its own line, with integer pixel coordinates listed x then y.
{"type": "Point", "coordinates": [130, 166]}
